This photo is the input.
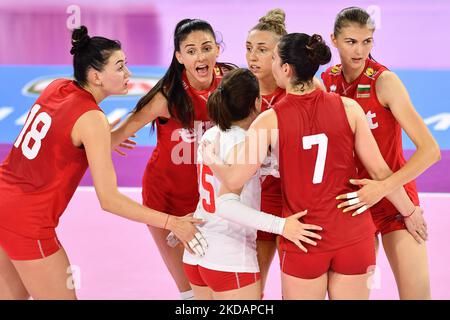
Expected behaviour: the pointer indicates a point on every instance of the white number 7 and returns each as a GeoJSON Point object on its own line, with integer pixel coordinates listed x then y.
{"type": "Point", "coordinates": [322, 140]}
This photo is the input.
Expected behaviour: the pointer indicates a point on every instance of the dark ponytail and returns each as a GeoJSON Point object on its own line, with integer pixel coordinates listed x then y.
{"type": "Point", "coordinates": [304, 53]}
{"type": "Point", "coordinates": [90, 53]}
{"type": "Point", "coordinates": [234, 99]}
{"type": "Point", "coordinates": [171, 84]}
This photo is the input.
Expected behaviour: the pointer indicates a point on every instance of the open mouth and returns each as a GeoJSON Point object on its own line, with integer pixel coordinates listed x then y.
{"type": "Point", "coordinates": [356, 59]}
{"type": "Point", "coordinates": [202, 70]}
{"type": "Point", "coordinates": [254, 68]}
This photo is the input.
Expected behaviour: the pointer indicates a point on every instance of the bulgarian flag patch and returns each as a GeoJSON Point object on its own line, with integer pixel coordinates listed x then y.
{"type": "Point", "coordinates": [363, 91]}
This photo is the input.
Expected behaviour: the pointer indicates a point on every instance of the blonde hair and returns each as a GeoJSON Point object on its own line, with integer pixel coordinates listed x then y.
{"type": "Point", "coordinates": [273, 21]}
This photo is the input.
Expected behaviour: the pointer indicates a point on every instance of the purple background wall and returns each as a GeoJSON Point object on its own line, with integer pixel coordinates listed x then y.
{"type": "Point", "coordinates": [413, 34]}
{"type": "Point", "coordinates": [36, 32]}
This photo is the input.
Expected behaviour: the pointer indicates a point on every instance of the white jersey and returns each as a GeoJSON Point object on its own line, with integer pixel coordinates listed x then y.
{"type": "Point", "coordinates": [231, 246]}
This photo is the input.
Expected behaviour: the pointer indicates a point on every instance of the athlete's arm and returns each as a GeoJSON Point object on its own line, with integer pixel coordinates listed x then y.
{"type": "Point", "coordinates": [229, 207]}
{"type": "Point", "coordinates": [260, 135]}
{"type": "Point", "coordinates": [368, 152]}
{"type": "Point", "coordinates": [393, 95]}
{"type": "Point", "coordinates": [373, 191]}
{"type": "Point", "coordinates": [92, 131]}
{"type": "Point", "coordinates": [157, 107]}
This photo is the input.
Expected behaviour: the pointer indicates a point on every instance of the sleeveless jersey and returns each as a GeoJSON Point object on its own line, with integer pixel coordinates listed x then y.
{"type": "Point", "coordinates": [170, 178]}
{"type": "Point", "coordinates": [43, 169]}
{"type": "Point", "coordinates": [316, 162]}
{"type": "Point", "coordinates": [231, 247]}
{"type": "Point", "coordinates": [385, 128]}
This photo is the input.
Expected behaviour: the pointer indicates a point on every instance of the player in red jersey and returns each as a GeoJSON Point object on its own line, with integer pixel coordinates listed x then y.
{"type": "Point", "coordinates": [388, 109]}
{"type": "Point", "coordinates": [261, 41]}
{"type": "Point", "coordinates": [65, 131]}
{"type": "Point", "coordinates": [229, 269]}
{"type": "Point", "coordinates": [177, 104]}
{"type": "Point", "coordinates": [318, 135]}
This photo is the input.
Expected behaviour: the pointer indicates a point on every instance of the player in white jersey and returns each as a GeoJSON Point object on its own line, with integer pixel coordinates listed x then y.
{"type": "Point", "coordinates": [229, 269]}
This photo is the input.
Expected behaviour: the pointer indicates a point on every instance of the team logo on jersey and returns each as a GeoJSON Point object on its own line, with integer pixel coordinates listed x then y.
{"type": "Point", "coordinates": [373, 124]}
{"type": "Point", "coordinates": [370, 72]}
{"type": "Point", "coordinates": [137, 86]}
{"type": "Point", "coordinates": [336, 69]}
{"type": "Point", "coordinates": [363, 91]}
{"type": "Point", "coordinates": [333, 88]}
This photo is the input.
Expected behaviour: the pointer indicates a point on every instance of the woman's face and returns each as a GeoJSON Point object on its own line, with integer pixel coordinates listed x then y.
{"type": "Point", "coordinates": [354, 43]}
{"type": "Point", "coordinates": [198, 53]}
{"type": "Point", "coordinates": [260, 46]}
{"type": "Point", "coordinates": [115, 75]}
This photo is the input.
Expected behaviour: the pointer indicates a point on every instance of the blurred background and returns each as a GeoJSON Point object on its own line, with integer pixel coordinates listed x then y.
{"type": "Point", "coordinates": [412, 39]}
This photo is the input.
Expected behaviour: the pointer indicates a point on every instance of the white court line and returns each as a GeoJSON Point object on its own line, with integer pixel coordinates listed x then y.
{"type": "Point", "coordinates": [139, 190]}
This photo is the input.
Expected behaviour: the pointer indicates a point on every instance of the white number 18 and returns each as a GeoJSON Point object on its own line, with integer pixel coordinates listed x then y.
{"type": "Point", "coordinates": [34, 133]}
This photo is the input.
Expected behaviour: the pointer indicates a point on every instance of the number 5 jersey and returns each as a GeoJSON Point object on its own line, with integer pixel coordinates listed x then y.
{"type": "Point", "coordinates": [231, 246]}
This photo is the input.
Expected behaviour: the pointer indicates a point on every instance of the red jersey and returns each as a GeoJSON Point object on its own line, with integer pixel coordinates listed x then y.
{"type": "Point", "coordinates": [43, 169]}
{"type": "Point", "coordinates": [170, 178]}
{"type": "Point", "coordinates": [316, 162]}
{"type": "Point", "coordinates": [385, 128]}
{"type": "Point", "coordinates": [271, 186]}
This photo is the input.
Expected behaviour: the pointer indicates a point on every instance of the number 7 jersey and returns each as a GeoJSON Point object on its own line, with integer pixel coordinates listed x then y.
{"type": "Point", "coordinates": [43, 169]}
{"type": "Point", "coordinates": [316, 162]}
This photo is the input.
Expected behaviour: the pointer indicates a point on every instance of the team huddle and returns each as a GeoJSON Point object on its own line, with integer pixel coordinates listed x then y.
{"type": "Point", "coordinates": [311, 170]}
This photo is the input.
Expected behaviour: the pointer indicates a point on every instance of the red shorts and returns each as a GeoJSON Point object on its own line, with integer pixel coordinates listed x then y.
{"type": "Point", "coordinates": [386, 223]}
{"type": "Point", "coordinates": [18, 247]}
{"type": "Point", "coordinates": [219, 281]}
{"type": "Point", "coordinates": [358, 258]}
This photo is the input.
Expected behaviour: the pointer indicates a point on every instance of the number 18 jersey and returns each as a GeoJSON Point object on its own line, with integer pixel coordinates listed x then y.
{"type": "Point", "coordinates": [43, 169]}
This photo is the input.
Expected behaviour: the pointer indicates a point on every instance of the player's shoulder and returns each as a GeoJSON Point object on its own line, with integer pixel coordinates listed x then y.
{"type": "Point", "coordinates": [374, 70]}
{"type": "Point", "coordinates": [334, 70]}
{"type": "Point", "coordinates": [210, 134]}
{"type": "Point", "coordinates": [222, 68]}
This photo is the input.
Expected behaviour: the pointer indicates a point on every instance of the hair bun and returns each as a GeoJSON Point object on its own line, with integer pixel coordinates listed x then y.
{"type": "Point", "coordinates": [80, 39]}
{"type": "Point", "coordinates": [313, 41]}
{"type": "Point", "coordinates": [318, 50]}
{"type": "Point", "coordinates": [275, 16]}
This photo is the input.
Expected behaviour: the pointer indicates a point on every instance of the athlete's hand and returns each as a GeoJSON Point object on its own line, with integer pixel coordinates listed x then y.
{"type": "Point", "coordinates": [371, 192]}
{"type": "Point", "coordinates": [183, 228]}
{"type": "Point", "coordinates": [297, 232]}
{"type": "Point", "coordinates": [171, 239]}
{"type": "Point", "coordinates": [417, 226]}
{"type": "Point", "coordinates": [117, 143]}
{"type": "Point", "coordinates": [210, 151]}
